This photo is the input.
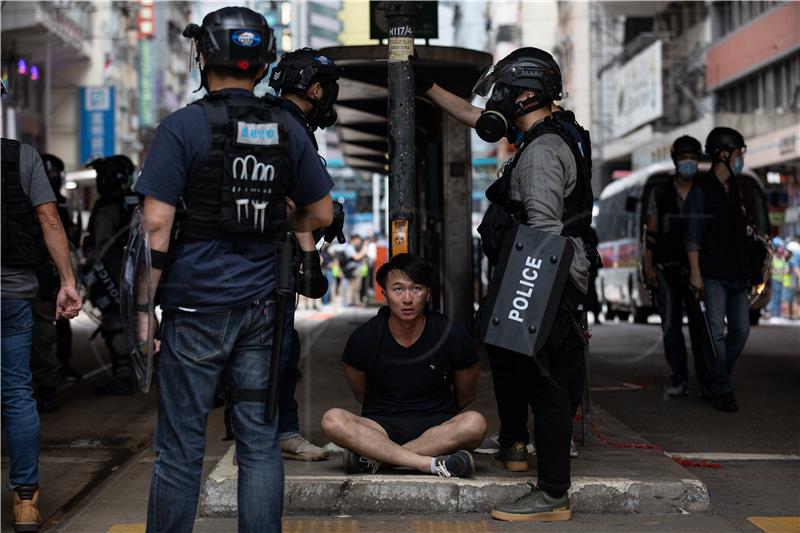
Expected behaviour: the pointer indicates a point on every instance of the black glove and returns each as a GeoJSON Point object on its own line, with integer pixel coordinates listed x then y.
{"type": "Point", "coordinates": [311, 282]}
{"type": "Point", "coordinates": [422, 82]}
{"type": "Point", "coordinates": [335, 230]}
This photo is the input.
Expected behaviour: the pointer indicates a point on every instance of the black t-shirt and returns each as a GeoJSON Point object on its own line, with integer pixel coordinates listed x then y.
{"type": "Point", "coordinates": [413, 380]}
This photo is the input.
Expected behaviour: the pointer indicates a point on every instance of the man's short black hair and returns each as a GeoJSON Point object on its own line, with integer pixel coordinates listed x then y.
{"type": "Point", "coordinates": [414, 267]}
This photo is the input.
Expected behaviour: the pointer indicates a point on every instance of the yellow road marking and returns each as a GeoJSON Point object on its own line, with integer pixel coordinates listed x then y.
{"type": "Point", "coordinates": [776, 524]}
{"type": "Point", "coordinates": [127, 528]}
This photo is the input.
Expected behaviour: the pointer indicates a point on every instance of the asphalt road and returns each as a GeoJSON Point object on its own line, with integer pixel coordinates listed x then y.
{"type": "Point", "coordinates": [96, 462]}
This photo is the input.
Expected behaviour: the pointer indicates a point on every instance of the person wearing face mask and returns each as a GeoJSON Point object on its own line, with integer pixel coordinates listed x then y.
{"type": "Point", "coordinates": [667, 267]}
{"type": "Point", "coordinates": [546, 185]}
{"type": "Point", "coordinates": [306, 83]}
{"type": "Point", "coordinates": [717, 242]}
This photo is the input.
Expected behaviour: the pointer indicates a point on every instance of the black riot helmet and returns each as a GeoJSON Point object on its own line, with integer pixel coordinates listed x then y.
{"type": "Point", "coordinates": [236, 38]}
{"type": "Point", "coordinates": [723, 139]}
{"type": "Point", "coordinates": [524, 69]}
{"type": "Point", "coordinates": [54, 168]}
{"type": "Point", "coordinates": [114, 173]}
{"type": "Point", "coordinates": [297, 71]}
{"type": "Point", "coordinates": [686, 145]}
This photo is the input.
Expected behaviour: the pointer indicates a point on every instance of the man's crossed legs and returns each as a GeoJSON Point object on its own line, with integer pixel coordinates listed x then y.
{"type": "Point", "coordinates": [434, 444]}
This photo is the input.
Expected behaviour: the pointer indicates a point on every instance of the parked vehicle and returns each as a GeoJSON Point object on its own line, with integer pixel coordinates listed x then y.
{"type": "Point", "coordinates": [620, 222]}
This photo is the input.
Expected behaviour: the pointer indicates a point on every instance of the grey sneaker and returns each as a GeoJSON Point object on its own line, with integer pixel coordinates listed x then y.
{"type": "Point", "coordinates": [535, 506]}
{"type": "Point", "coordinates": [356, 464]}
{"type": "Point", "coordinates": [678, 389]}
{"type": "Point", "coordinates": [299, 449]}
{"type": "Point", "coordinates": [459, 464]}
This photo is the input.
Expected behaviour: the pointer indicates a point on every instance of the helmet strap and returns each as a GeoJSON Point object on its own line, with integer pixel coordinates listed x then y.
{"type": "Point", "coordinates": [528, 105]}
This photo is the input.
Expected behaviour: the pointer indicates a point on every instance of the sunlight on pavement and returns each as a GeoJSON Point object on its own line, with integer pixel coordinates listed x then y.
{"type": "Point", "coordinates": [776, 524]}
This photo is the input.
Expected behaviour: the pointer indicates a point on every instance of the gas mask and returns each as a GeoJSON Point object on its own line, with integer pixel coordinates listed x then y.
{"type": "Point", "coordinates": [497, 120]}
{"type": "Point", "coordinates": [324, 115]}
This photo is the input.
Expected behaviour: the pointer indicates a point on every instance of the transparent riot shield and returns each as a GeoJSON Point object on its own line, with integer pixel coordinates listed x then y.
{"type": "Point", "coordinates": [136, 301]}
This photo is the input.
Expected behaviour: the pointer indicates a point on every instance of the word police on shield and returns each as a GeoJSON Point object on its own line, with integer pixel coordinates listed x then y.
{"type": "Point", "coordinates": [525, 290]}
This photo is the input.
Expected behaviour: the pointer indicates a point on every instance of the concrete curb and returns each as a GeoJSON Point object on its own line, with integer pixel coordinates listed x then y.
{"type": "Point", "coordinates": [409, 494]}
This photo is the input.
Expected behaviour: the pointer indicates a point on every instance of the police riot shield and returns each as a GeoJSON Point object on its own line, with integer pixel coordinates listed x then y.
{"type": "Point", "coordinates": [525, 290]}
{"type": "Point", "coordinates": [136, 301]}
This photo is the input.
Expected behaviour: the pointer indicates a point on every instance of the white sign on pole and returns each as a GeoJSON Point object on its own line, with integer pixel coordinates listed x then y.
{"type": "Point", "coordinates": [638, 97]}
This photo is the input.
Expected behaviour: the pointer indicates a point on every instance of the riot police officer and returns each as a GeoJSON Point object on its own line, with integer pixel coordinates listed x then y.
{"type": "Point", "coordinates": [30, 223]}
{"type": "Point", "coordinates": [667, 267]}
{"type": "Point", "coordinates": [717, 244]}
{"type": "Point", "coordinates": [547, 185]}
{"type": "Point", "coordinates": [306, 83]}
{"type": "Point", "coordinates": [103, 248]}
{"type": "Point", "coordinates": [215, 209]}
{"type": "Point", "coordinates": [52, 339]}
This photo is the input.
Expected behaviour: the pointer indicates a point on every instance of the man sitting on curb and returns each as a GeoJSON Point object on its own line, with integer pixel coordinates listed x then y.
{"type": "Point", "coordinates": [412, 370]}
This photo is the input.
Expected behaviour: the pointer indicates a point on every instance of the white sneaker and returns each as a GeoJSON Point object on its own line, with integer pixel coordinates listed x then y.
{"type": "Point", "coordinates": [299, 449]}
{"type": "Point", "coordinates": [573, 450]}
{"type": "Point", "coordinates": [680, 389]}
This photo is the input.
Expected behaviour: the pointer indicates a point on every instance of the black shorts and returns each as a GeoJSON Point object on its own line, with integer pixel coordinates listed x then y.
{"type": "Point", "coordinates": [405, 428]}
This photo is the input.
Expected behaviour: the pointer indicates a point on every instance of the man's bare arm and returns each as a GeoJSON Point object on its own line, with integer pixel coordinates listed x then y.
{"type": "Point", "coordinates": [55, 239]}
{"type": "Point", "coordinates": [457, 107]}
{"type": "Point", "coordinates": [312, 216]}
{"type": "Point", "coordinates": [357, 381]}
{"type": "Point", "coordinates": [466, 382]}
{"type": "Point", "coordinates": [68, 302]}
{"type": "Point", "coordinates": [158, 219]}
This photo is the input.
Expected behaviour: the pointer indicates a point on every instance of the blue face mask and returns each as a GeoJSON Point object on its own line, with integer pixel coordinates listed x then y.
{"type": "Point", "coordinates": [687, 168]}
{"type": "Point", "coordinates": [738, 166]}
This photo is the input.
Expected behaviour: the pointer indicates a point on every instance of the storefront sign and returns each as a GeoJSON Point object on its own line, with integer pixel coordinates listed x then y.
{"type": "Point", "coordinates": [97, 123]}
{"type": "Point", "coordinates": [638, 96]}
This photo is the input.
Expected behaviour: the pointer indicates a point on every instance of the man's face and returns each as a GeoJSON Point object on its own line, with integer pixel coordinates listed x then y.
{"type": "Point", "coordinates": [687, 156]}
{"type": "Point", "coordinates": [406, 298]}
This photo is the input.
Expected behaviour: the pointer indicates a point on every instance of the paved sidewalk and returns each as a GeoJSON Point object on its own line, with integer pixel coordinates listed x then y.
{"type": "Point", "coordinates": [605, 478]}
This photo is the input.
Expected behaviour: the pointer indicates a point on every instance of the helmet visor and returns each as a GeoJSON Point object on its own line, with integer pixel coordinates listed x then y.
{"type": "Point", "coordinates": [529, 73]}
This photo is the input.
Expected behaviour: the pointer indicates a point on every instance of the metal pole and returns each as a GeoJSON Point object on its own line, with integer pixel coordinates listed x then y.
{"type": "Point", "coordinates": [402, 194]}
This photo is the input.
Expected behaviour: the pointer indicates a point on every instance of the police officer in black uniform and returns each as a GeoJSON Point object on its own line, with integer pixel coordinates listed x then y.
{"type": "Point", "coordinates": [103, 247]}
{"type": "Point", "coordinates": [667, 267]}
{"type": "Point", "coordinates": [216, 182]}
{"type": "Point", "coordinates": [306, 83]}
{"type": "Point", "coordinates": [718, 246]}
{"type": "Point", "coordinates": [52, 339]}
{"type": "Point", "coordinates": [546, 185]}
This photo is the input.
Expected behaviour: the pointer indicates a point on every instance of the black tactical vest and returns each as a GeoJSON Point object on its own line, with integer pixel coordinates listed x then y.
{"type": "Point", "coordinates": [23, 244]}
{"type": "Point", "coordinates": [670, 243]}
{"type": "Point", "coordinates": [724, 251]}
{"type": "Point", "coordinates": [292, 108]}
{"type": "Point", "coordinates": [239, 194]}
{"type": "Point", "coordinates": [577, 215]}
